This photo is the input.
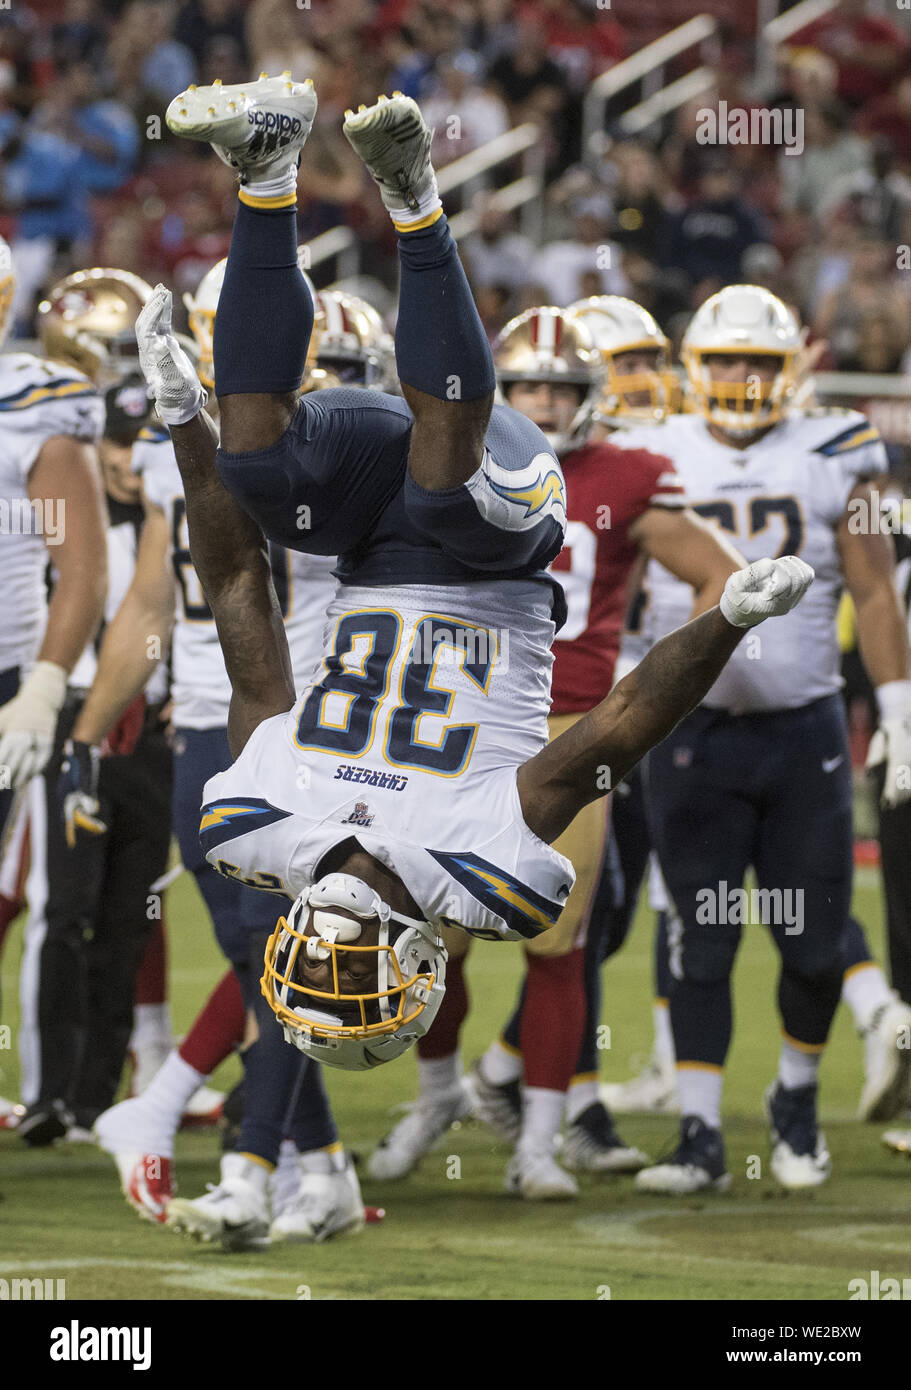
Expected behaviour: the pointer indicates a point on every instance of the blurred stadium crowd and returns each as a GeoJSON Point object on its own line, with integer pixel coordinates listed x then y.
{"type": "Point", "coordinates": [90, 175]}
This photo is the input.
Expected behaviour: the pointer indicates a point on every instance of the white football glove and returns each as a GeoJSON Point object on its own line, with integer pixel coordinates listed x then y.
{"type": "Point", "coordinates": [891, 743]}
{"type": "Point", "coordinates": [28, 723]}
{"type": "Point", "coordinates": [765, 589]}
{"type": "Point", "coordinates": [179, 394]}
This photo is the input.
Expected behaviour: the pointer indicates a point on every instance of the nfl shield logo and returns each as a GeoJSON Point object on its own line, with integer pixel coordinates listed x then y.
{"type": "Point", "coordinates": [683, 757]}
{"type": "Point", "coordinates": [361, 815]}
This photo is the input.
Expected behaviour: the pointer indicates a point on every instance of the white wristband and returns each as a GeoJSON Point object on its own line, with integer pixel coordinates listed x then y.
{"type": "Point", "coordinates": [894, 699]}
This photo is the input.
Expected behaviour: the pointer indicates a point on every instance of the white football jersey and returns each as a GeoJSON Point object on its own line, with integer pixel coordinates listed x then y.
{"type": "Point", "coordinates": [38, 400]}
{"type": "Point", "coordinates": [784, 495]}
{"type": "Point", "coordinates": [428, 701]}
{"type": "Point", "coordinates": [304, 585]}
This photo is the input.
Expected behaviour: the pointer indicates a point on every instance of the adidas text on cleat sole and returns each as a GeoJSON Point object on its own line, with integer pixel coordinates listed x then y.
{"type": "Point", "coordinates": [393, 140]}
{"type": "Point", "coordinates": [258, 128]}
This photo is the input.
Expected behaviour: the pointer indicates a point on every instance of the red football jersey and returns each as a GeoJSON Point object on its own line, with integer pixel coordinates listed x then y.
{"type": "Point", "coordinates": [607, 488]}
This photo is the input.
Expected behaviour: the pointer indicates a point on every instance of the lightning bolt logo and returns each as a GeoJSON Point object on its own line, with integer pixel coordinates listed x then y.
{"type": "Point", "coordinates": [545, 493]}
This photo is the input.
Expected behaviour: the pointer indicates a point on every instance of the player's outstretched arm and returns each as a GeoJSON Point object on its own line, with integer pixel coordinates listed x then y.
{"type": "Point", "coordinates": [228, 549]}
{"type": "Point", "coordinates": [642, 709]}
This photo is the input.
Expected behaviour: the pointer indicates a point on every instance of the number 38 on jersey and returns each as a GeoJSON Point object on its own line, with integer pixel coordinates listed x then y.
{"type": "Point", "coordinates": [399, 690]}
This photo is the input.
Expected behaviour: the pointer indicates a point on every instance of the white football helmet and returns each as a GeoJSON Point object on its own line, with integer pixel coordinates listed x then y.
{"type": "Point", "coordinates": [617, 325]}
{"type": "Point", "coordinates": [743, 320]}
{"type": "Point", "coordinates": [405, 978]}
{"type": "Point", "coordinates": [201, 310]}
{"type": "Point", "coordinates": [7, 289]}
{"type": "Point", "coordinates": [548, 344]}
{"type": "Point", "coordinates": [354, 348]}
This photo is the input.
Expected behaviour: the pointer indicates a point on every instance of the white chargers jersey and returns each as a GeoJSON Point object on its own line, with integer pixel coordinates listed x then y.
{"type": "Point", "coordinates": [304, 585]}
{"type": "Point", "coordinates": [784, 495]}
{"type": "Point", "coordinates": [428, 701]}
{"type": "Point", "coordinates": [38, 400]}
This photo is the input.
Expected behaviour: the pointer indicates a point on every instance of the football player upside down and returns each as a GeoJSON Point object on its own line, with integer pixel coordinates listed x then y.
{"type": "Point", "coordinates": [410, 785]}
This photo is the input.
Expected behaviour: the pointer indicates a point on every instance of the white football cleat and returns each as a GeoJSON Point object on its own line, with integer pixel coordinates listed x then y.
{"type": "Point", "coordinates": [258, 128]}
{"type": "Point", "coordinates": [404, 1146]}
{"type": "Point", "coordinates": [800, 1159]}
{"type": "Point", "coordinates": [898, 1141]}
{"type": "Point", "coordinates": [534, 1173]}
{"type": "Point", "coordinates": [148, 1183]}
{"type": "Point", "coordinates": [652, 1092]}
{"type": "Point", "coordinates": [887, 1062]}
{"type": "Point", "coordinates": [696, 1165]}
{"type": "Point", "coordinates": [393, 140]}
{"type": "Point", "coordinates": [143, 1154]}
{"type": "Point", "coordinates": [235, 1211]}
{"type": "Point", "coordinates": [326, 1204]}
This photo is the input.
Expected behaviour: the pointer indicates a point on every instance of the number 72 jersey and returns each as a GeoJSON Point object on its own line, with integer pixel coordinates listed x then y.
{"type": "Point", "coordinates": [785, 495]}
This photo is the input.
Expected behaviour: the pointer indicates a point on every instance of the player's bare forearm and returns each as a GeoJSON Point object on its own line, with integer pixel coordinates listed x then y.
{"type": "Point", "coordinates": [642, 709]}
{"type": "Point", "coordinates": [134, 643]}
{"type": "Point", "coordinates": [882, 635]}
{"type": "Point", "coordinates": [868, 563]}
{"type": "Point", "coordinates": [67, 472]}
{"type": "Point", "coordinates": [231, 559]}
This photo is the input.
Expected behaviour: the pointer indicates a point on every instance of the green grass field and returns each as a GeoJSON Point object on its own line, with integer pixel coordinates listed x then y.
{"type": "Point", "coordinates": [462, 1237]}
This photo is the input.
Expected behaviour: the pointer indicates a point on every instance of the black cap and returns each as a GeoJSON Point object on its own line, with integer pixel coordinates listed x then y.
{"type": "Point", "coordinates": [126, 408]}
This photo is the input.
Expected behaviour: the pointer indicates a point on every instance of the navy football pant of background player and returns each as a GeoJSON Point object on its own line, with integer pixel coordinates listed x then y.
{"type": "Point", "coordinates": [283, 1092]}
{"type": "Point", "coordinates": [89, 923]}
{"type": "Point", "coordinates": [772, 791]}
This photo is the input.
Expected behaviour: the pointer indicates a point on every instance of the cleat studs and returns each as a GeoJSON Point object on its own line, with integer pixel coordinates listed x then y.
{"type": "Point", "coordinates": [183, 111]}
{"type": "Point", "coordinates": [309, 82]}
{"type": "Point", "coordinates": [348, 113]}
{"type": "Point", "coordinates": [396, 94]}
{"type": "Point", "coordinates": [362, 107]}
{"type": "Point", "coordinates": [211, 110]}
{"type": "Point", "coordinates": [217, 82]}
{"type": "Point", "coordinates": [263, 75]}
{"type": "Point", "coordinates": [192, 87]}
{"type": "Point", "coordinates": [232, 105]}
{"type": "Point", "coordinates": [382, 97]}
{"type": "Point", "coordinates": [287, 72]}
